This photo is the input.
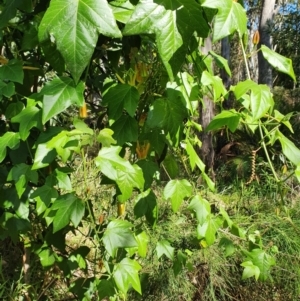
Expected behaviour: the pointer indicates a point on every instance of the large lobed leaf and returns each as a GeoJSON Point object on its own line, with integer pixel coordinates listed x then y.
{"type": "Point", "coordinates": [263, 261]}
{"type": "Point", "coordinates": [177, 190]}
{"type": "Point", "coordinates": [279, 62]}
{"type": "Point", "coordinates": [21, 174]}
{"type": "Point", "coordinates": [172, 22]}
{"type": "Point", "coordinates": [167, 114]}
{"type": "Point", "coordinates": [9, 139]}
{"type": "Point", "coordinates": [127, 176]}
{"type": "Point", "coordinates": [229, 118]}
{"type": "Point", "coordinates": [260, 100]}
{"type": "Point", "coordinates": [231, 17]}
{"type": "Point", "coordinates": [201, 207]}
{"type": "Point", "coordinates": [118, 234]}
{"type": "Point", "coordinates": [121, 97]}
{"type": "Point", "coordinates": [12, 71]}
{"type": "Point", "coordinates": [164, 247]}
{"type": "Point", "coordinates": [28, 118]}
{"type": "Point", "coordinates": [74, 26]}
{"type": "Point", "coordinates": [68, 208]}
{"type": "Point", "coordinates": [59, 94]}
{"type": "Point", "coordinates": [126, 275]}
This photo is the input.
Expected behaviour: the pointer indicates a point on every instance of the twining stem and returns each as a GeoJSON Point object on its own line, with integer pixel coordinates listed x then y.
{"type": "Point", "coordinates": [245, 59]}
{"type": "Point", "coordinates": [266, 151]}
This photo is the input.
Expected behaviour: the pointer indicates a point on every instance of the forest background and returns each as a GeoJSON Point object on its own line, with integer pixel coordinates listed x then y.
{"type": "Point", "coordinates": [149, 150]}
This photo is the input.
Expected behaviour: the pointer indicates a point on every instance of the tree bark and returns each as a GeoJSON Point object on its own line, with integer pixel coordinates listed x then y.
{"type": "Point", "coordinates": [206, 113]}
{"type": "Point", "coordinates": [264, 69]}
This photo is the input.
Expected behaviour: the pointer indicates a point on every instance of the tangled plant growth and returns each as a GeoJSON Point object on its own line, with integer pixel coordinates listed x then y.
{"type": "Point", "coordinates": [124, 61]}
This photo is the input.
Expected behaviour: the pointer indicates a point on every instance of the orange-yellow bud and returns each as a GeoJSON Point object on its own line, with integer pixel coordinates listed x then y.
{"type": "Point", "coordinates": [142, 150]}
{"type": "Point", "coordinates": [83, 111]}
{"type": "Point", "coordinates": [256, 37]}
{"type": "Point", "coordinates": [121, 209]}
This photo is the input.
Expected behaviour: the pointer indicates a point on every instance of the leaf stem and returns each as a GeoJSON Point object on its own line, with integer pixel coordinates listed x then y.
{"type": "Point", "coordinates": [245, 59]}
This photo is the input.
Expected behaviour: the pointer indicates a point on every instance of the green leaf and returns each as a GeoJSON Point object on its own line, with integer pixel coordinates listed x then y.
{"type": "Point", "coordinates": [149, 169]}
{"type": "Point", "coordinates": [201, 207]}
{"type": "Point", "coordinates": [106, 288]}
{"type": "Point", "coordinates": [79, 256]}
{"type": "Point", "coordinates": [216, 82]}
{"type": "Point", "coordinates": [260, 101]}
{"type": "Point", "coordinates": [279, 62]}
{"type": "Point", "coordinates": [28, 118]}
{"type": "Point", "coordinates": [21, 174]}
{"type": "Point", "coordinates": [15, 224]}
{"type": "Point", "coordinates": [125, 129]}
{"type": "Point", "coordinates": [64, 181]}
{"type": "Point", "coordinates": [122, 10]}
{"type": "Point", "coordinates": [297, 172]}
{"type": "Point", "coordinates": [188, 88]}
{"type": "Point", "coordinates": [7, 89]}
{"type": "Point", "coordinates": [118, 235]}
{"type": "Point", "coordinates": [43, 196]}
{"type": "Point", "coordinates": [221, 62]}
{"type": "Point", "coordinates": [157, 140]}
{"type": "Point", "coordinates": [14, 109]}
{"type": "Point", "coordinates": [209, 229]}
{"type": "Point", "coordinates": [47, 257]}
{"type": "Point", "coordinates": [121, 97]}
{"type": "Point", "coordinates": [82, 127]}
{"type": "Point", "coordinates": [64, 143]}
{"type": "Point", "coordinates": [142, 241]}
{"type": "Point", "coordinates": [146, 205]}
{"type": "Point", "coordinates": [227, 245]}
{"type": "Point", "coordinates": [172, 22]}
{"type": "Point", "coordinates": [171, 166]}
{"type": "Point", "coordinates": [164, 247]}
{"type": "Point", "coordinates": [177, 190]}
{"type": "Point", "coordinates": [225, 215]}
{"type": "Point", "coordinates": [59, 94]}
{"type": "Point", "coordinates": [167, 114]}
{"type": "Point", "coordinates": [226, 118]}
{"type": "Point", "coordinates": [196, 161]}
{"type": "Point", "coordinates": [243, 87]}
{"type": "Point", "coordinates": [263, 261]}
{"type": "Point", "coordinates": [68, 208]}
{"type": "Point", "coordinates": [260, 97]}
{"type": "Point", "coordinates": [179, 263]}
{"type": "Point", "coordinates": [193, 157]}
{"type": "Point", "coordinates": [9, 139]}
{"type": "Point", "coordinates": [105, 137]}
{"type": "Point", "coordinates": [12, 71]}
{"type": "Point", "coordinates": [284, 119]}
{"type": "Point", "coordinates": [43, 156]}
{"type": "Point", "coordinates": [250, 270]}
{"type": "Point", "coordinates": [149, 18]}
{"type": "Point", "coordinates": [127, 176]}
{"type": "Point", "coordinates": [290, 150]}
{"type": "Point", "coordinates": [74, 26]}
{"type": "Point", "coordinates": [9, 11]}
{"type": "Point", "coordinates": [231, 17]}
{"type": "Point", "coordinates": [126, 274]}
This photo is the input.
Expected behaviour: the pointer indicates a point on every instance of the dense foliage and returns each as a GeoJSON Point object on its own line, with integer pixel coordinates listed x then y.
{"type": "Point", "coordinates": [135, 75]}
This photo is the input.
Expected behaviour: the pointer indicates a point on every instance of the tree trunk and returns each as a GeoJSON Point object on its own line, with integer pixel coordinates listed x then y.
{"type": "Point", "coordinates": [206, 113]}
{"type": "Point", "coordinates": [225, 53]}
{"type": "Point", "coordinates": [264, 69]}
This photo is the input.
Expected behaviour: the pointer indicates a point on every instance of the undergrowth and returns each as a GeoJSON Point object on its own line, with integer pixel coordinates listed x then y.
{"type": "Point", "coordinates": [209, 274]}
